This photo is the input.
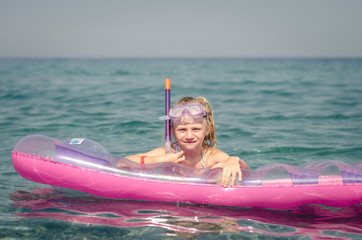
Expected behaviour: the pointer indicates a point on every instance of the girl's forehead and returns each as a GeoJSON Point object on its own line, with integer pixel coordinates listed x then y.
{"type": "Point", "coordinates": [189, 124]}
{"type": "Point", "coordinates": [187, 119]}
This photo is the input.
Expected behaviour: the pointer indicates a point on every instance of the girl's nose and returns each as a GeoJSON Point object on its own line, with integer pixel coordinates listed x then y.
{"type": "Point", "coordinates": [189, 134]}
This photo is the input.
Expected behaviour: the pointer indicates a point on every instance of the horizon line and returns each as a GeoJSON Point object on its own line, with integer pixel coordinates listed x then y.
{"type": "Point", "coordinates": [180, 57]}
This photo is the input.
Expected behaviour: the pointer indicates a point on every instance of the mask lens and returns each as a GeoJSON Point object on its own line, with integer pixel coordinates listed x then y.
{"type": "Point", "coordinates": [176, 112]}
{"type": "Point", "coordinates": [193, 109]}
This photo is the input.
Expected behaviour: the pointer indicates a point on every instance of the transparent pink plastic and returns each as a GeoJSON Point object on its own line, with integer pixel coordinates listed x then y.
{"type": "Point", "coordinates": [88, 167]}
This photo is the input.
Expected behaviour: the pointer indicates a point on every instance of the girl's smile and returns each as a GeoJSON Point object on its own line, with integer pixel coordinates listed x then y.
{"type": "Point", "coordinates": [190, 135]}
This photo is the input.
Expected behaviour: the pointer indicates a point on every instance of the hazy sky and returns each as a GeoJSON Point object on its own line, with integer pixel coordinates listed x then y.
{"type": "Point", "coordinates": [184, 28]}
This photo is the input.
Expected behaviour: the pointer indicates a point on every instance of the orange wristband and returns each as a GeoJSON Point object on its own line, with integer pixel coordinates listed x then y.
{"type": "Point", "coordinates": [143, 159]}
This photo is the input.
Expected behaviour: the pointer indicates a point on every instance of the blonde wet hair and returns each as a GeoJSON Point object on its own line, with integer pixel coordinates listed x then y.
{"type": "Point", "coordinates": [210, 141]}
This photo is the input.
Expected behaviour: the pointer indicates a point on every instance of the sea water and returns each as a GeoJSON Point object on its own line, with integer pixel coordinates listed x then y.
{"type": "Point", "coordinates": [291, 111]}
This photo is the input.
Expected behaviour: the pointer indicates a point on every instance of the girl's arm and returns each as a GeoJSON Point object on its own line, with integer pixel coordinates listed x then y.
{"type": "Point", "coordinates": [155, 156]}
{"type": "Point", "coordinates": [231, 167]}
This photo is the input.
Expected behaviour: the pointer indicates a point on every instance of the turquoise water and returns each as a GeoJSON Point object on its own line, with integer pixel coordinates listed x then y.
{"type": "Point", "coordinates": [292, 111]}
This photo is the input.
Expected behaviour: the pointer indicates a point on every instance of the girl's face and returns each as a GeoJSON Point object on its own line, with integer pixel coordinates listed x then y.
{"type": "Point", "coordinates": [190, 134]}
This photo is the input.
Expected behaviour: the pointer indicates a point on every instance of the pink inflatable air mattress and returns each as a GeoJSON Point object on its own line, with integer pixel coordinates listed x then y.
{"type": "Point", "coordinates": [84, 165]}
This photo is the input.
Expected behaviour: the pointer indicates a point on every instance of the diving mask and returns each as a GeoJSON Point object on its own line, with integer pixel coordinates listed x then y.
{"type": "Point", "coordinates": [194, 110]}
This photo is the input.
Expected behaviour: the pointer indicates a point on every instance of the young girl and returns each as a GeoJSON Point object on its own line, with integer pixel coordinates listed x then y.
{"type": "Point", "coordinates": [193, 127]}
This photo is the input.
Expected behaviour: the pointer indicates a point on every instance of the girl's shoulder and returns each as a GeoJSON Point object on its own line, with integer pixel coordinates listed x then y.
{"type": "Point", "coordinates": [216, 156]}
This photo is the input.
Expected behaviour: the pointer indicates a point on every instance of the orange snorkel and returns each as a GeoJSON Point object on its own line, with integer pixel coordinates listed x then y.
{"type": "Point", "coordinates": [168, 121]}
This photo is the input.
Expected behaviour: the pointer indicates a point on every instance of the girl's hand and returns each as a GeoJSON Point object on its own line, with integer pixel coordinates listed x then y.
{"type": "Point", "coordinates": [173, 157]}
{"type": "Point", "coordinates": [231, 168]}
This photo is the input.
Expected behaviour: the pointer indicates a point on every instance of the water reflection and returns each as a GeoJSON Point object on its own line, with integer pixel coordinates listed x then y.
{"type": "Point", "coordinates": [188, 220]}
